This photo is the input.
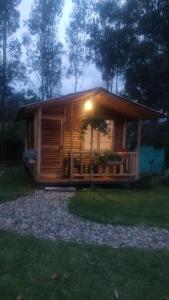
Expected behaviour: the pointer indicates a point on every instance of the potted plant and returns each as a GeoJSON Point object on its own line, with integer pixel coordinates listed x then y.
{"type": "Point", "coordinates": [107, 157]}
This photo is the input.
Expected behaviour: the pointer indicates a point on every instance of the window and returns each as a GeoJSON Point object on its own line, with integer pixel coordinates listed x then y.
{"type": "Point", "coordinates": [100, 141]}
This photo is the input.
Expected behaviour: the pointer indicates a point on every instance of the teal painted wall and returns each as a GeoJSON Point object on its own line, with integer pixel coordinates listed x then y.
{"type": "Point", "coordinates": [152, 160]}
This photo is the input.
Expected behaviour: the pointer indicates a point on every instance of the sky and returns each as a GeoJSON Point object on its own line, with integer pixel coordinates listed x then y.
{"type": "Point", "coordinates": [91, 77]}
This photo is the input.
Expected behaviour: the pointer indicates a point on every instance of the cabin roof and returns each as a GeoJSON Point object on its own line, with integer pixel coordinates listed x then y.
{"type": "Point", "coordinates": [116, 103]}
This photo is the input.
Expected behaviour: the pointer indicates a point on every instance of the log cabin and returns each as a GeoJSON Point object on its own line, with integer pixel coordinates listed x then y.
{"type": "Point", "coordinates": [58, 154]}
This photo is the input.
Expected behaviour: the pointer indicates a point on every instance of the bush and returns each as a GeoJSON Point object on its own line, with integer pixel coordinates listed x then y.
{"type": "Point", "coordinates": [144, 183]}
{"type": "Point", "coordinates": [165, 178]}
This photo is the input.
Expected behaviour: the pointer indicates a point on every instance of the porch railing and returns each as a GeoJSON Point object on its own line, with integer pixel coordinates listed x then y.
{"type": "Point", "coordinates": [82, 164]}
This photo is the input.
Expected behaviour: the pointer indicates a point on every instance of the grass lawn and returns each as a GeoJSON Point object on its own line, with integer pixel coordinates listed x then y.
{"type": "Point", "coordinates": [31, 269]}
{"type": "Point", "coordinates": [46, 270]}
{"type": "Point", "coordinates": [14, 182]}
{"type": "Point", "coordinates": [126, 207]}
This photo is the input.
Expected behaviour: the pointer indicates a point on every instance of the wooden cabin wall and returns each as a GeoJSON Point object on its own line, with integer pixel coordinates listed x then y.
{"type": "Point", "coordinates": [118, 134]}
{"type": "Point", "coordinates": [76, 124]}
{"type": "Point", "coordinates": [52, 162]}
{"type": "Point", "coordinates": [51, 158]}
{"type": "Point", "coordinates": [72, 123]}
{"type": "Point", "coordinates": [52, 142]}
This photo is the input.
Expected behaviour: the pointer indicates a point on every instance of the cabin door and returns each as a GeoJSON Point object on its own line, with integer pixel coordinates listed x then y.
{"type": "Point", "coordinates": [51, 148]}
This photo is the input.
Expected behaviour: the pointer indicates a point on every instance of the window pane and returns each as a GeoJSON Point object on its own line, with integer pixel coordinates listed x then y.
{"type": "Point", "coordinates": [100, 141]}
{"type": "Point", "coordinates": [106, 141]}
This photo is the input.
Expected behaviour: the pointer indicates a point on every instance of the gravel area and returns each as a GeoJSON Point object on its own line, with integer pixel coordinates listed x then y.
{"type": "Point", "coordinates": [45, 215]}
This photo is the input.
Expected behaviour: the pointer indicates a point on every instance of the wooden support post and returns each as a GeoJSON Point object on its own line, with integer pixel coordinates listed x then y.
{"type": "Point", "coordinates": [124, 134]}
{"type": "Point", "coordinates": [71, 143]}
{"type": "Point", "coordinates": [26, 135]}
{"type": "Point", "coordinates": [138, 148]}
{"type": "Point", "coordinates": [71, 166]}
{"type": "Point", "coordinates": [91, 155]}
{"type": "Point", "coordinates": [39, 130]}
{"type": "Point", "coordinates": [35, 126]}
{"type": "Point", "coordinates": [81, 163]}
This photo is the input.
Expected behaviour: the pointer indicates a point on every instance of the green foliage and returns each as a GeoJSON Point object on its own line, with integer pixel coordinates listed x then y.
{"type": "Point", "coordinates": [12, 69]}
{"type": "Point", "coordinates": [106, 157]}
{"type": "Point", "coordinates": [84, 272]}
{"type": "Point", "coordinates": [129, 40]}
{"type": "Point", "coordinates": [144, 182]}
{"type": "Point", "coordinates": [107, 40]}
{"type": "Point", "coordinates": [76, 39]}
{"type": "Point", "coordinates": [14, 182]}
{"type": "Point", "coordinates": [14, 131]}
{"type": "Point", "coordinates": [165, 178]}
{"type": "Point", "coordinates": [124, 206]}
{"type": "Point", "coordinates": [96, 123]}
{"type": "Point", "coordinates": [147, 71]}
{"type": "Point", "coordinates": [43, 47]}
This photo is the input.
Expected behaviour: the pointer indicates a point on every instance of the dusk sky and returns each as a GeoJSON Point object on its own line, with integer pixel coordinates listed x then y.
{"type": "Point", "coordinates": [91, 77]}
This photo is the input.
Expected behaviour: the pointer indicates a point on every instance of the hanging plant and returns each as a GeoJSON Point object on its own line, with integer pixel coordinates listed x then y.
{"type": "Point", "coordinates": [96, 123]}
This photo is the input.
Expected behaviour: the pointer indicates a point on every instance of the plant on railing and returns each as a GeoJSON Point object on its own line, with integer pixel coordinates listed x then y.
{"type": "Point", "coordinates": [106, 157]}
{"type": "Point", "coordinates": [96, 123]}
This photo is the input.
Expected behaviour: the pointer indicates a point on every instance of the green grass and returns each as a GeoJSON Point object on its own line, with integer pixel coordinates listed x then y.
{"type": "Point", "coordinates": [27, 265]}
{"type": "Point", "coordinates": [126, 207]}
{"type": "Point", "coordinates": [84, 272]}
{"type": "Point", "coordinates": [14, 182]}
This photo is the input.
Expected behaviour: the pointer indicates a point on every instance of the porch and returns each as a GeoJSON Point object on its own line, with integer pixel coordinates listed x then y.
{"type": "Point", "coordinates": [84, 167]}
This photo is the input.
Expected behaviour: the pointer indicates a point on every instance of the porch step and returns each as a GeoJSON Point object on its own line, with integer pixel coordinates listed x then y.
{"type": "Point", "coordinates": [60, 189]}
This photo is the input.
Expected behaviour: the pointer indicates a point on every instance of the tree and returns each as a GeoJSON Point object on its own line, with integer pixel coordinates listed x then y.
{"type": "Point", "coordinates": [14, 131]}
{"type": "Point", "coordinates": [11, 69]}
{"type": "Point", "coordinates": [43, 48]}
{"type": "Point", "coordinates": [76, 40]}
{"type": "Point", "coordinates": [107, 41]}
{"type": "Point", "coordinates": [147, 71]}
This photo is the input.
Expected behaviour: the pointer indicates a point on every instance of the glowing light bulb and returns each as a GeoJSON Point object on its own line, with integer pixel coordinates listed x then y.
{"type": "Point", "coordinates": [88, 105]}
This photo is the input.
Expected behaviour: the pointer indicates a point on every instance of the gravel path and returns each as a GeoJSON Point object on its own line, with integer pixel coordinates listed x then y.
{"type": "Point", "coordinates": [45, 215]}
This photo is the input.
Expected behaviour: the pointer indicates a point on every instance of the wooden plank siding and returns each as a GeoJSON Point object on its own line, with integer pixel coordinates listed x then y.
{"type": "Point", "coordinates": [57, 139]}
{"type": "Point", "coordinates": [118, 134]}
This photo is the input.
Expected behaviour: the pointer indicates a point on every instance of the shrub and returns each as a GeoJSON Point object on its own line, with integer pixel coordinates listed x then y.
{"type": "Point", "coordinates": [165, 178]}
{"type": "Point", "coordinates": [144, 183]}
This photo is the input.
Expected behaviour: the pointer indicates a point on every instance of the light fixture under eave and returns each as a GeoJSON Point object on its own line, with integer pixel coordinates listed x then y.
{"type": "Point", "coordinates": [88, 105]}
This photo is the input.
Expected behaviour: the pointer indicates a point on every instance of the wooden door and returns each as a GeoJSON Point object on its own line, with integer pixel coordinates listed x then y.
{"type": "Point", "coordinates": [51, 148]}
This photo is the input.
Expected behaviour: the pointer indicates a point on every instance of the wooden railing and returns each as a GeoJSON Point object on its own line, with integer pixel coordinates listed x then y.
{"type": "Point", "coordinates": [83, 165]}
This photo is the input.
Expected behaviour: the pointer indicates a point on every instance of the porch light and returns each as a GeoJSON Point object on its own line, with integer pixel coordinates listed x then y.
{"type": "Point", "coordinates": [88, 105]}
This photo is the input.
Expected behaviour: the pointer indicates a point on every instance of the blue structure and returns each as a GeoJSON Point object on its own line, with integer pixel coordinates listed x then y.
{"type": "Point", "coordinates": [152, 159]}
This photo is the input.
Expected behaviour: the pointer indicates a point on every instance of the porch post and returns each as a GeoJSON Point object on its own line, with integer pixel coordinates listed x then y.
{"type": "Point", "coordinates": [39, 129]}
{"type": "Point", "coordinates": [71, 143]}
{"type": "Point", "coordinates": [91, 154]}
{"type": "Point", "coordinates": [138, 148]}
{"type": "Point", "coordinates": [124, 134]}
{"type": "Point", "coordinates": [26, 135]}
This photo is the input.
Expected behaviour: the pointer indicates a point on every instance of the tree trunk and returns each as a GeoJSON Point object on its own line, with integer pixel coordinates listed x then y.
{"type": "Point", "coordinates": [4, 91]}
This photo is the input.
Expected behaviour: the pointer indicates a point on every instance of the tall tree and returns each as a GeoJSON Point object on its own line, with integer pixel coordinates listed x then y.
{"type": "Point", "coordinates": [11, 68]}
{"type": "Point", "coordinates": [76, 40]}
{"type": "Point", "coordinates": [107, 40]}
{"type": "Point", "coordinates": [147, 72]}
{"type": "Point", "coordinates": [43, 48]}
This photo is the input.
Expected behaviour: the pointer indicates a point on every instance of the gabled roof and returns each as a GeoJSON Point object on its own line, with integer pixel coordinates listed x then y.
{"type": "Point", "coordinates": [116, 103]}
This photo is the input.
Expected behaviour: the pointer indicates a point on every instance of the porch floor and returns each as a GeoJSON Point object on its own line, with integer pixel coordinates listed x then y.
{"type": "Point", "coordinates": [48, 180]}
